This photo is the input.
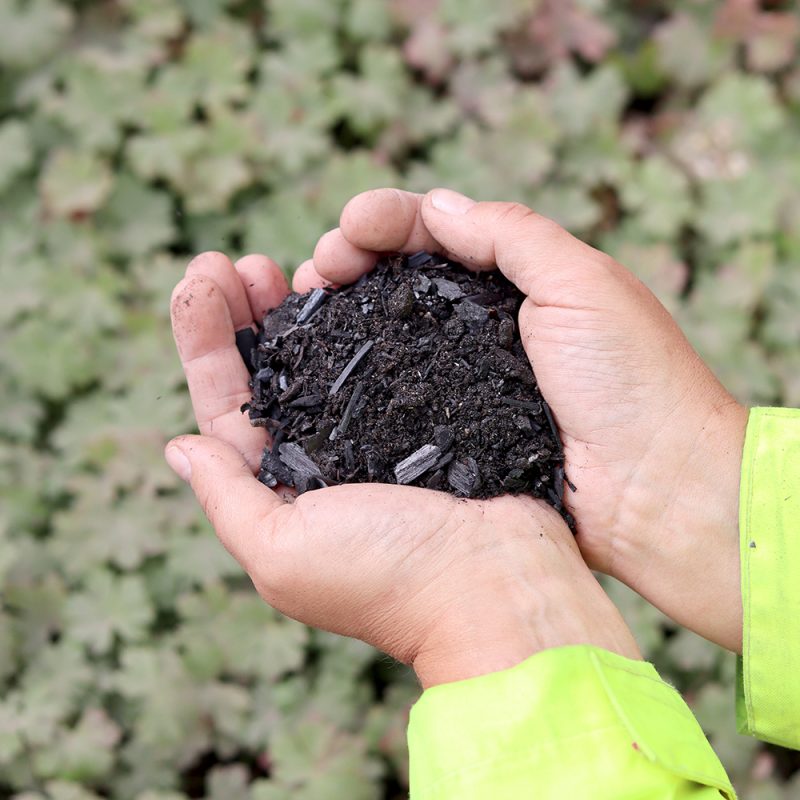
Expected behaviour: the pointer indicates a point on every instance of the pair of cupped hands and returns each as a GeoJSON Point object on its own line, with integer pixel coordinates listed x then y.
{"type": "Point", "coordinates": [459, 588]}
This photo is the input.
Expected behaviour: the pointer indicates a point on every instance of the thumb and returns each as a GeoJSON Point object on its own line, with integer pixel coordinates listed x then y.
{"type": "Point", "coordinates": [546, 262]}
{"type": "Point", "coordinates": [241, 509]}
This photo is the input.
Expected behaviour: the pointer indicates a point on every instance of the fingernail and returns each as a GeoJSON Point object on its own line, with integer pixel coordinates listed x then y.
{"type": "Point", "coordinates": [451, 202]}
{"type": "Point", "coordinates": [179, 463]}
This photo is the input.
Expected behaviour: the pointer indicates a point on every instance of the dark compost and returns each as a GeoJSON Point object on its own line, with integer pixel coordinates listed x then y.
{"type": "Point", "coordinates": [416, 375]}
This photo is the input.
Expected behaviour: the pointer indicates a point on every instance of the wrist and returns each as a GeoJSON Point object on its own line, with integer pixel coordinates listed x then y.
{"type": "Point", "coordinates": [500, 625]}
{"type": "Point", "coordinates": [683, 554]}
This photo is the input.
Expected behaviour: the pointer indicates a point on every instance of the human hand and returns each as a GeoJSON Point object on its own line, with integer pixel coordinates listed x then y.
{"type": "Point", "coordinates": [456, 588]}
{"type": "Point", "coordinates": [651, 439]}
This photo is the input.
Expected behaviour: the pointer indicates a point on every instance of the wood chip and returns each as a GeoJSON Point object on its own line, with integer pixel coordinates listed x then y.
{"type": "Point", "coordinates": [419, 462]}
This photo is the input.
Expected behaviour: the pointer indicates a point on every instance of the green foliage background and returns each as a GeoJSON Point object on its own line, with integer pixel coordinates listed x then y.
{"type": "Point", "coordinates": [135, 662]}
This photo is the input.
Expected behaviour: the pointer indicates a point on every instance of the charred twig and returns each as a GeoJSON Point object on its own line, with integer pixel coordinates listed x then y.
{"type": "Point", "coordinates": [417, 463]}
{"type": "Point", "coordinates": [312, 305]}
{"type": "Point", "coordinates": [353, 363]}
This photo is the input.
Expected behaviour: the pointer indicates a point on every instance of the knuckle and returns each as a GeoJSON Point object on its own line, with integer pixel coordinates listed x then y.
{"type": "Point", "coordinates": [515, 213]}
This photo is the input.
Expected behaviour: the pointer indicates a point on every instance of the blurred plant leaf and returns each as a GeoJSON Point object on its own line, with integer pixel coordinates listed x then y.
{"type": "Point", "coordinates": [30, 30]}
{"type": "Point", "coordinates": [106, 607]}
{"type": "Point", "coordinates": [74, 183]}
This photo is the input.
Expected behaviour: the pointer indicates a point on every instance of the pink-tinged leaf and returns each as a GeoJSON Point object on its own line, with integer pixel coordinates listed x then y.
{"type": "Point", "coordinates": [557, 30]}
{"type": "Point", "coordinates": [426, 50]}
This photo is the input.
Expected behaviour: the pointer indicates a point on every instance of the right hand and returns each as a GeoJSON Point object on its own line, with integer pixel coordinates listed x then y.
{"type": "Point", "coordinates": [652, 440]}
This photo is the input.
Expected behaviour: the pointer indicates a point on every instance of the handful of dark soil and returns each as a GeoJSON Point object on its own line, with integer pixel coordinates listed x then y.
{"type": "Point", "coordinates": [413, 375]}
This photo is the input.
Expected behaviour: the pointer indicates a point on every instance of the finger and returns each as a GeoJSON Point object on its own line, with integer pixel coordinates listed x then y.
{"type": "Point", "coordinates": [386, 220]}
{"type": "Point", "coordinates": [377, 221]}
{"type": "Point", "coordinates": [306, 278]}
{"type": "Point", "coordinates": [217, 377]}
{"type": "Point", "coordinates": [241, 509]}
{"type": "Point", "coordinates": [218, 267]}
{"type": "Point", "coordinates": [264, 284]}
{"type": "Point", "coordinates": [339, 260]}
{"type": "Point", "coordinates": [546, 262]}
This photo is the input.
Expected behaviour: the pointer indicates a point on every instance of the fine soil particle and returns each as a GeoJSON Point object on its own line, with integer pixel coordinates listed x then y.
{"type": "Point", "coordinates": [413, 375]}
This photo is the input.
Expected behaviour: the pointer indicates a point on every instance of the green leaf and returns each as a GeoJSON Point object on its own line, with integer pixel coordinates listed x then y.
{"type": "Point", "coordinates": [31, 30]}
{"type": "Point", "coordinates": [582, 105]}
{"type": "Point", "coordinates": [240, 635]}
{"type": "Point", "coordinates": [688, 54]}
{"type": "Point", "coordinates": [97, 96]}
{"type": "Point", "coordinates": [228, 783]}
{"type": "Point", "coordinates": [108, 606]}
{"type": "Point", "coordinates": [732, 210]}
{"type": "Point", "coordinates": [138, 219]}
{"type": "Point", "coordinates": [216, 63]}
{"type": "Point", "coordinates": [16, 152]}
{"type": "Point", "coordinates": [82, 753]}
{"type": "Point", "coordinates": [60, 790]}
{"type": "Point", "coordinates": [300, 18]}
{"type": "Point", "coordinates": [376, 95]}
{"type": "Point", "coordinates": [659, 195]}
{"type": "Point", "coordinates": [75, 183]}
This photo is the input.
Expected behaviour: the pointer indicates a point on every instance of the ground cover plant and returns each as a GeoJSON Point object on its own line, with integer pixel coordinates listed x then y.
{"type": "Point", "coordinates": [135, 662]}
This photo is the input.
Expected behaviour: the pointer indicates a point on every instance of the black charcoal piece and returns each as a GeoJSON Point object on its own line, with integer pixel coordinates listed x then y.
{"type": "Point", "coordinates": [349, 459]}
{"type": "Point", "coordinates": [450, 290]}
{"type": "Point", "coordinates": [422, 284]}
{"type": "Point", "coordinates": [351, 407]}
{"type": "Point", "coordinates": [352, 364]}
{"type": "Point", "coordinates": [464, 476]}
{"type": "Point", "coordinates": [312, 305]}
{"type": "Point", "coordinates": [473, 315]}
{"type": "Point", "coordinates": [558, 482]}
{"type": "Point", "coordinates": [267, 478]}
{"type": "Point", "coordinates": [306, 401]}
{"type": "Point", "coordinates": [271, 465]}
{"type": "Point", "coordinates": [245, 343]}
{"type": "Point", "coordinates": [417, 463]}
{"type": "Point", "coordinates": [419, 259]}
{"type": "Point", "coordinates": [444, 460]}
{"type": "Point", "coordinates": [535, 407]}
{"type": "Point", "coordinates": [444, 437]}
{"type": "Point", "coordinates": [295, 458]}
{"type": "Point", "coordinates": [552, 423]}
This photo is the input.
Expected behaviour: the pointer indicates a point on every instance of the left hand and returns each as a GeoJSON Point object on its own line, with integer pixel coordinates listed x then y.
{"type": "Point", "coordinates": [454, 587]}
